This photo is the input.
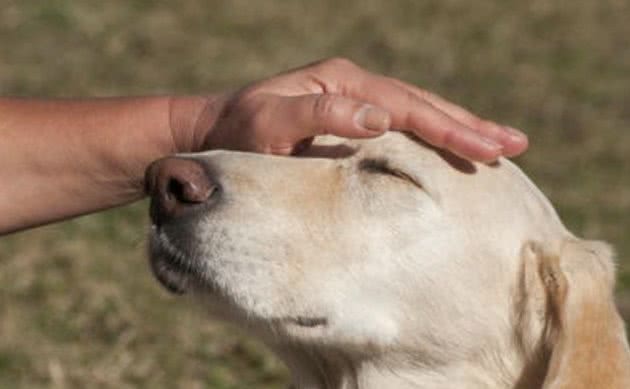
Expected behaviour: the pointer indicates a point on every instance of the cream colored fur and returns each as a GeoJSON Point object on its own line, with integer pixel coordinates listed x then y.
{"type": "Point", "coordinates": [386, 264]}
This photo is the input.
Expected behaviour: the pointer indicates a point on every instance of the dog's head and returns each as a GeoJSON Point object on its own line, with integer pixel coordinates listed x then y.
{"type": "Point", "coordinates": [378, 245]}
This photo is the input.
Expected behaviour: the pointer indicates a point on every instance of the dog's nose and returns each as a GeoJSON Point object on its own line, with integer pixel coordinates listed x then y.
{"type": "Point", "coordinates": [176, 186]}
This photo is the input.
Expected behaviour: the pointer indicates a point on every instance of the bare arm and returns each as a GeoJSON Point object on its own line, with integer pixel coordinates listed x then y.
{"type": "Point", "coordinates": [63, 158]}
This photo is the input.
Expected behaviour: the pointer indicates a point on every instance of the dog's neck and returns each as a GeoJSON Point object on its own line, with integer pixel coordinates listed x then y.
{"type": "Point", "coordinates": [314, 368]}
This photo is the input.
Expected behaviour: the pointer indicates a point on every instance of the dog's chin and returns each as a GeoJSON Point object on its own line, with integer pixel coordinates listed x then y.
{"type": "Point", "coordinates": [171, 266]}
{"type": "Point", "coordinates": [178, 273]}
{"type": "Point", "coordinates": [166, 272]}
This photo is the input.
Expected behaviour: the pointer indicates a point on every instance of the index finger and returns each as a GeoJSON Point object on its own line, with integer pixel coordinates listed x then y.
{"type": "Point", "coordinates": [411, 112]}
{"type": "Point", "coordinates": [513, 141]}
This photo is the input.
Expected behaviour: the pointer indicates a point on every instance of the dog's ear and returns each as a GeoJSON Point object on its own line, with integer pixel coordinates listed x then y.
{"type": "Point", "coordinates": [585, 335]}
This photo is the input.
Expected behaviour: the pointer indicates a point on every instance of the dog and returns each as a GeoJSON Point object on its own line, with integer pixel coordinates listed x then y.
{"type": "Point", "coordinates": [386, 263]}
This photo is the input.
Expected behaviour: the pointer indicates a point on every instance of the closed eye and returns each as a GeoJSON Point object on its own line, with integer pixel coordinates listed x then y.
{"type": "Point", "coordinates": [381, 166]}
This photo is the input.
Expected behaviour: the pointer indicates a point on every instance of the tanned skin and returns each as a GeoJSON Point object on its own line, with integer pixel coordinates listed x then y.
{"type": "Point", "coordinates": [61, 158]}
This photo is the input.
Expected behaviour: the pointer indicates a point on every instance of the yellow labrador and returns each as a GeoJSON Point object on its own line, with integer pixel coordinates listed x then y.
{"type": "Point", "coordinates": [387, 264]}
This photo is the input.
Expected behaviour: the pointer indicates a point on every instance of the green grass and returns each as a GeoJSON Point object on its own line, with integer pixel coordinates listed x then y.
{"type": "Point", "coordinates": [79, 307]}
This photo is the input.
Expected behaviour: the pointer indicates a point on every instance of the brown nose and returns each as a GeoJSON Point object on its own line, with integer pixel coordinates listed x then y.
{"type": "Point", "coordinates": [177, 186]}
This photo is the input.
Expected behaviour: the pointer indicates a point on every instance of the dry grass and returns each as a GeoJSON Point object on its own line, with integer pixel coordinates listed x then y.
{"type": "Point", "coordinates": [78, 305]}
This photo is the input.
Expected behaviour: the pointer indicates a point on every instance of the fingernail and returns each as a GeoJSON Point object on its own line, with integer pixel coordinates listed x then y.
{"type": "Point", "coordinates": [493, 150]}
{"type": "Point", "coordinates": [372, 118]}
{"type": "Point", "coordinates": [514, 133]}
{"type": "Point", "coordinates": [491, 145]}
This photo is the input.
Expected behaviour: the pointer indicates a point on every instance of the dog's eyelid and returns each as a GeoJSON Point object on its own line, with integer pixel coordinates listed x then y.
{"type": "Point", "coordinates": [382, 166]}
{"type": "Point", "coordinates": [377, 165]}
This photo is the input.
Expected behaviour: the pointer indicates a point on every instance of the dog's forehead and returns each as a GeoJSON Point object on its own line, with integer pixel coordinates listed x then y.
{"type": "Point", "coordinates": [492, 189]}
{"type": "Point", "coordinates": [394, 146]}
{"type": "Point", "coordinates": [400, 150]}
{"type": "Point", "coordinates": [467, 190]}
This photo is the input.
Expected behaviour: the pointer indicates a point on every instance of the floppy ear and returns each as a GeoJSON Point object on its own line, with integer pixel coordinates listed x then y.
{"type": "Point", "coordinates": [586, 335]}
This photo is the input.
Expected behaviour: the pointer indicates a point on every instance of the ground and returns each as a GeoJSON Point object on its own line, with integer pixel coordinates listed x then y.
{"type": "Point", "coordinates": [78, 305]}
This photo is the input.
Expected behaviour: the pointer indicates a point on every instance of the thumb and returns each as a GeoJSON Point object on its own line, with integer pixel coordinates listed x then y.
{"type": "Point", "coordinates": [318, 114]}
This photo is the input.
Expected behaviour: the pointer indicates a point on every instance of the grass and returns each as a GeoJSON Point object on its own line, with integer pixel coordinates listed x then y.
{"type": "Point", "coordinates": [79, 307]}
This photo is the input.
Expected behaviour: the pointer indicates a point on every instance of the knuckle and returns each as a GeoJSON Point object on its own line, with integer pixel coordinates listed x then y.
{"type": "Point", "coordinates": [323, 107]}
{"type": "Point", "coordinates": [246, 94]}
{"type": "Point", "coordinates": [447, 139]}
{"type": "Point", "coordinates": [486, 125]}
{"type": "Point", "coordinates": [427, 95]}
{"type": "Point", "coordinates": [411, 98]}
{"type": "Point", "coordinates": [482, 124]}
{"type": "Point", "coordinates": [339, 63]}
{"type": "Point", "coordinates": [255, 115]}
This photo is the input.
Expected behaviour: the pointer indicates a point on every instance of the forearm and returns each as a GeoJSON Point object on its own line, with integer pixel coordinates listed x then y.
{"type": "Point", "coordinates": [63, 158]}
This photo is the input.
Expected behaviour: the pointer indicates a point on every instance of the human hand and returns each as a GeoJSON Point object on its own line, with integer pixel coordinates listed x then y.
{"type": "Point", "coordinates": [282, 114]}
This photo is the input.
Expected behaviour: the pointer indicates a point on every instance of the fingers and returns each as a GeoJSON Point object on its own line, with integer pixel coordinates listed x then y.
{"type": "Point", "coordinates": [432, 118]}
{"type": "Point", "coordinates": [338, 97]}
{"type": "Point", "coordinates": [411, 112]}
{"type": "Point", "coordinates": [513, 141]}
{"type": "Point", "coordinates": [317, 114]}
{"type": "Point", "coordinates": [441, 130]}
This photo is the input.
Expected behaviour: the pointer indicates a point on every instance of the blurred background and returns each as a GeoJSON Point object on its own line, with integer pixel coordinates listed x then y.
{"type": "Point", "coordinates": [78, 305]}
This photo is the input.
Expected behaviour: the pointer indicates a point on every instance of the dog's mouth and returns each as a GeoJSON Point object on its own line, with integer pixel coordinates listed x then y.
{"type": "Point", "coordinates": [172, 267]}
{"type": "Point", "coordinates": [178, 272]}
{"type": "Point", "coordinates": [308, 322]}
{"type": "Point", "coordinates": [171, 278]}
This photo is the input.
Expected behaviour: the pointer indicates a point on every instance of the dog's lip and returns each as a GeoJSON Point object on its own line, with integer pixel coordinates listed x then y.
{"type": "Point", "coordinates": [302, 321]}
{"type": "Point", "coordinates": [172, 278]}
{"type": "Point", "coordinates": [169, 263]}
{"type": "Point", "coordinates": [309, 321]}
{"type": "Point", "coordinates": [171, 267]}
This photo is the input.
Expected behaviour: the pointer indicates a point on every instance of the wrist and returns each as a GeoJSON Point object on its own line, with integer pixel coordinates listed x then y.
{"type": "Point", "coordinates": [191, 120]}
